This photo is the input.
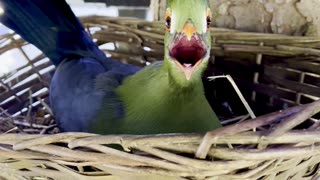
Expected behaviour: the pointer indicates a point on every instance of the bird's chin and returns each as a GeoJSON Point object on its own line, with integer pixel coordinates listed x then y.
{"type": "Point", "coordinates": [188, 54]}
{"type": "Point", "coordinates": [187, 69]}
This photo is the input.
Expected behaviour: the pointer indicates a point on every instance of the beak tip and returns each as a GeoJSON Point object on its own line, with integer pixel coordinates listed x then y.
{"type": "Point", "coordinates": [188, 75]}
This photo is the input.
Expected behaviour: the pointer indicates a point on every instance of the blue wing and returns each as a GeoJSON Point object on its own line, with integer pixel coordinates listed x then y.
{"type": "Point", "coordinates": [52, 27]}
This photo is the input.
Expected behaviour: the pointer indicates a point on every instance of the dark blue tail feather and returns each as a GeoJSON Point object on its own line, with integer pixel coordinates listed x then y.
{"type": "Point", "coordinates": [75, 98]}
{"type": "Point", "coordinates": [51, 26]}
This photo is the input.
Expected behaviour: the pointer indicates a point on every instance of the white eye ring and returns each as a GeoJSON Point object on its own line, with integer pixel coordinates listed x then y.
{"type": "Point", "coordinates": [173, 22]}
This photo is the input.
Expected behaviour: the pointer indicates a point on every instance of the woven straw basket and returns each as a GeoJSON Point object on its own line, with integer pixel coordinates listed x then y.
{"type": "Point", "coordinates": [273, 71]}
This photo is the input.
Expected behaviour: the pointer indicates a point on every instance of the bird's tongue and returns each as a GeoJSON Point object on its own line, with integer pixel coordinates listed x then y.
{"type": "Point", "coordinates": [187, 53]}
{"type": "Point", "coordinates": [187, 68]}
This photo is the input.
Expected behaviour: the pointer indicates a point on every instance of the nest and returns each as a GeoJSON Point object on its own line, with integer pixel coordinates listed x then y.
{"type": "Point", "coordinates": [277, 72]}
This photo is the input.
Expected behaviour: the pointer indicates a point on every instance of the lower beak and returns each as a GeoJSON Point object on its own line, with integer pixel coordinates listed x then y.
{"type": "Point", "coordinates": [188, 69]}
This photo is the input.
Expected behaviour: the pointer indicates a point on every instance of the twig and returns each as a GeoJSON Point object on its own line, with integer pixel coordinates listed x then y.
{"type": "Point", "coordinates": [5, 112]}
{"type": "Point", "coordinates": [236, 119]}
{"type": "Point", "coordinates": [234, 85]}
{"type": "Point", "coordinates": [251, 124]}
{"type": "Point", "coordinates": [44, 104]}
{"type": "Point", "coordinates": [27, 124]}
{"type": "Point", "coordinates": [11, 130]}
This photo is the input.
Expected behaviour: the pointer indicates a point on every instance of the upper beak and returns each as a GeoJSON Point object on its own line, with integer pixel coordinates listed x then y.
{"type": "Point", "coordinates": [189, 30]}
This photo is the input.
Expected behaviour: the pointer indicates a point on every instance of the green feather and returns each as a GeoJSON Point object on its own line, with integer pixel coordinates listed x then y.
{"type": "Point", "coordinates": [182, 11]}
{"type": "Point", "coordinates": [159, 98]}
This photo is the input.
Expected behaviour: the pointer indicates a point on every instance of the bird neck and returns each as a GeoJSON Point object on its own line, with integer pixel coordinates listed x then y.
{"type": "Point", "coordinates": [175, 86]}
{"type": "Point", "coordinates": [154, 84]}
{"type": "Point", "coordinates": [154, 104]}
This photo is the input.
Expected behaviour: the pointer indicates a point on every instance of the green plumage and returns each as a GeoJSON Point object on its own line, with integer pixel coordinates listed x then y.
{"type": "Point", "coordinates": [183, 10]}
{"type": "Point", "coordinates": [159, 98]}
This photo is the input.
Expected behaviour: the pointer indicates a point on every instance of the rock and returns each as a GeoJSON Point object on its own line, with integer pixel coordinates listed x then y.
{"type": "Point", "coordinates": [292, 17]}
{"type": "Point", "coordinates": [310, 10]}
{"type": "Point", "coordinates": [225, 21]}
{"type": "Point", "coordinates": [288, 20]}
{"type": "Point", "coordinates": [251, 17]}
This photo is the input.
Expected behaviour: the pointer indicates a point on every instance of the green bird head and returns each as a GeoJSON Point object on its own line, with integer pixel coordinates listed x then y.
{"type": "Point", "coordinates": [187, 40]}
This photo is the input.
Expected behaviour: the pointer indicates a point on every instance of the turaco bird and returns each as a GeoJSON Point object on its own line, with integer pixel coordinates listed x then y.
{"type": "Point", "coordinates": [92, 93]}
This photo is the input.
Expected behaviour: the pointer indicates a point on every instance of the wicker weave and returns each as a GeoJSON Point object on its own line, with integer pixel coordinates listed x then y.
{"type": "Point", "coordinates": [276, 71]}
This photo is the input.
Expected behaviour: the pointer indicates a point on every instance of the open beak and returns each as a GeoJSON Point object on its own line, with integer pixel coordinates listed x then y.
{"type": "Point", "coordinates": [187, 50]}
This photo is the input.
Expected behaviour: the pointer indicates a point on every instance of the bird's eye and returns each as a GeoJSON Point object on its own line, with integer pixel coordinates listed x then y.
{"type": "Point", "coordinates": [168, 19]}
{"type": "Point", "coordinates": [209, 14]}
{"type": "Point", "coordinates": [208, 21]}
{"type": "Point", "coordinates": [168, 23]}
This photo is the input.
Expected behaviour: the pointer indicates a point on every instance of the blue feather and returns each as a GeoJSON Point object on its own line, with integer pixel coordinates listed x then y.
{"type": "Point", "coordinates": [75, 96]}
{"type": "Point", "coordinates": [51, 26]}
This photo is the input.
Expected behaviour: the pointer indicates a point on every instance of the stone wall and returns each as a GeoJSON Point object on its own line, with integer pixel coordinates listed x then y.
{"type": "Point", "coordinates": [292, 17]}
